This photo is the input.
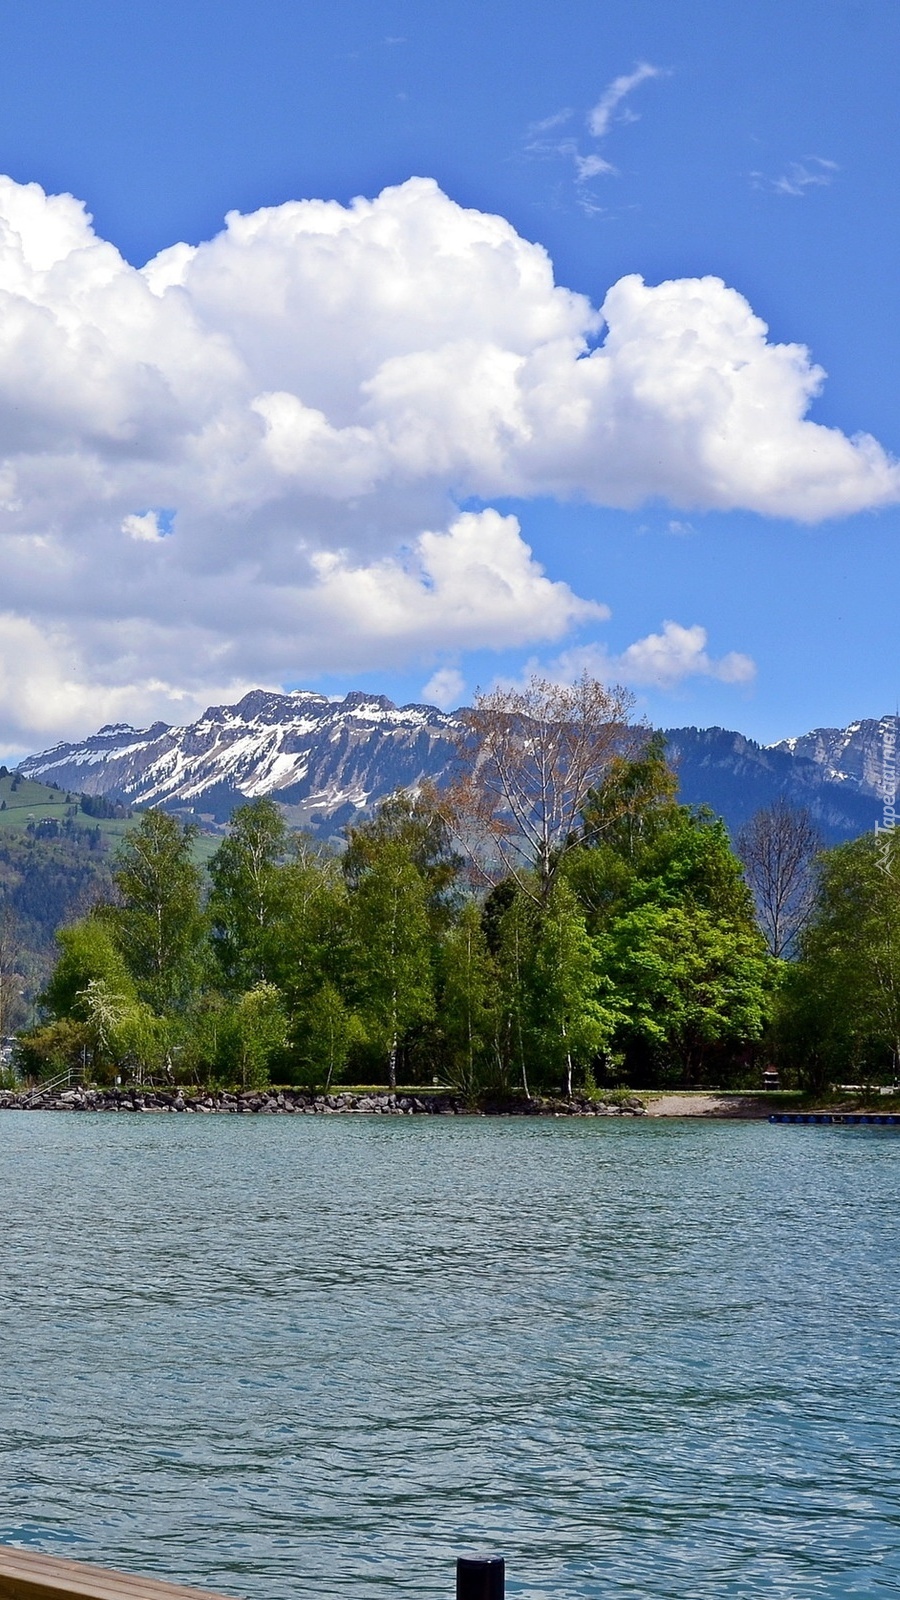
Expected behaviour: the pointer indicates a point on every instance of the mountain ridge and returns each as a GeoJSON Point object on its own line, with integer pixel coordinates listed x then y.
{"type": "Point", "coordinates": [327, 759]}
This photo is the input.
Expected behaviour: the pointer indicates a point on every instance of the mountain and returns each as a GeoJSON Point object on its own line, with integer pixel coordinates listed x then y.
{"type": "Point", "coordinates": [736, 777]}
{"type": "Point", "coordinates": [851, 756]}
{"type": "Point", "coordinates": [323, 760]}
{"type": "Point", "coordinates": [328, 760]}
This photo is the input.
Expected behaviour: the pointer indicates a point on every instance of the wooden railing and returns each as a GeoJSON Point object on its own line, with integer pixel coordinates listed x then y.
{"type": "Point", "coordinates": [30, 1575]}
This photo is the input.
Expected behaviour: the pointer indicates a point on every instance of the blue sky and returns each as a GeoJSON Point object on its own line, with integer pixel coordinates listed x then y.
{"type": "Point", "coordinates": [756, 144]}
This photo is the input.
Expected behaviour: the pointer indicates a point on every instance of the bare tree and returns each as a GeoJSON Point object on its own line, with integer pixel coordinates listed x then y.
{"type": "Point", "coordinates": [529, 758]}
{"type": "Point", "coordinates": [778, 847]}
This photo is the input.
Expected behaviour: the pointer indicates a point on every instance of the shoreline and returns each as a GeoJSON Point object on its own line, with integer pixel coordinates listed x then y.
{"type": "Point", "coordinates": [301, 1102]}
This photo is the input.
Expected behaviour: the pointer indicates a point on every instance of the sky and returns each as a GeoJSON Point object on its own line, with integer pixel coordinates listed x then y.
{"type": "Point", "coordinates": [416, 346]}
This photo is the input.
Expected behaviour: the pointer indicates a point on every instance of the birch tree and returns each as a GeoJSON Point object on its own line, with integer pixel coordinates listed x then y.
{"type": "Point", "coordinates": [778, 847]}
{"type": "Point", "coordinates": [528, 761]}
{"type": "Point", "coordinates": [390, 924]}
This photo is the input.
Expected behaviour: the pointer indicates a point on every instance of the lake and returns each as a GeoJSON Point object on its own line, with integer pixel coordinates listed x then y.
{"type": "Point", "coordinates": [321, 1356]}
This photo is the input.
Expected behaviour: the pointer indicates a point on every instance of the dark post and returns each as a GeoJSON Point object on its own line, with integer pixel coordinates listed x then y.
{"type": "Point", "coordinates": [480, 1578]}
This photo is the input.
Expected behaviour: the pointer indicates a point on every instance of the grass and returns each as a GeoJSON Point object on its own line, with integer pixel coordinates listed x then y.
{"type": "Point", "coordinates": [28, 801]}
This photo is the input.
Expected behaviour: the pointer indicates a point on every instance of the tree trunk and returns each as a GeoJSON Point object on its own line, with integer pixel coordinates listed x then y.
{"type": "Point", "coordinates": [568, 1066]}
{"type": "Point", "coordinates": [392, 1063]}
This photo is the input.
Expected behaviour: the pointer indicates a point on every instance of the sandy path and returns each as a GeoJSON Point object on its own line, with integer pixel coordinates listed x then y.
{"type": "Point", "coordinates": [705, 1105]}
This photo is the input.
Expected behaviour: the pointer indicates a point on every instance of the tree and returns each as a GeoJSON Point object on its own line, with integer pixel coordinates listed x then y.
{"type": "Point", "coordinates": [417, 824]}
{"type": "Point", "coordinates": [160, 926]}
{"type": "Point", "coordinates": [327, 1030]}
{"type": "Point", "coordinates": [89, 953]}
{"type": "Point", "coordinates": [572, 1009]}
{"type": "Point", "coordinates": [390, 923]}
{"type": "Point", "coordinates": [510, 926]}
{"type": "Point", "coordinates": [635, 800]}
{"type": "Point", "coordinates": [256, 1032]}
{"type": "Point", "coordinates": [11, 976]}
{"type": "Point", "coordinates": [315, 937]}
{"type": "Point", "coordinates": [247, 904]}
{"type": "Point", "coordinates": [690, 984]}
{"type": "Point", "coordinates": [529, 759]}
{"type": "Point", "coordinates": [778, 847]}
{"type": "Point", "coordinates": [840, 1007]}
{"type": "Point", "coordinates": [469, 1000]}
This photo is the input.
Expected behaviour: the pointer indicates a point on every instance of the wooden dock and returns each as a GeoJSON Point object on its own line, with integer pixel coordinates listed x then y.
{"type": "Point", "coordinates": [31, 1575]}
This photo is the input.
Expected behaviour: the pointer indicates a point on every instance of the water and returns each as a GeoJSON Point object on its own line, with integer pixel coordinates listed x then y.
{"type": "Point", "coordinates": [319, 1357]}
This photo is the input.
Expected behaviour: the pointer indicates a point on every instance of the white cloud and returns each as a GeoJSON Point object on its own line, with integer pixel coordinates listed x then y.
{"type": "Point", "coordinates": [599, 121]}
{"type": "Point", "coordinates": [557, 120]}
{"type": "Point", "coordinates": [591, 167]}
{"type": "Point", "coordinates": [660, 660]}
{"type": "Point", "coordinates": [310, 395]}
{"type": "Point", "coordinates": [813, 172]}
{"type": "Point", "coordinates": [603, 113]}
{"type": "Point", "coordinates": [667, 658]}
{"type": "Point", "coordinates": [48, 687]}
{"type": "Point", "coordinates": [477, 581]}
{"type": "Point", "coordinates": [445, 688]}
{"type": "Point", "coordinates": [144, 527]}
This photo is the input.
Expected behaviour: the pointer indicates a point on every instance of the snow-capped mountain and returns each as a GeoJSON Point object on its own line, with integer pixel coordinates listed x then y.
{"type": "Point", "coordinates": [851, 755]}
{"type": "Point", "coordinates": [328, 760]}
{"type": "Point", "coordinates": [322, 759]}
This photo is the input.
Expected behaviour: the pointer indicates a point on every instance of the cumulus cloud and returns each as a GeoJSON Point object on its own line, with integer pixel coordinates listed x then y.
{"type": "Point", "coordinates": [660, 661]}
{"type": "Point", "coordinates": [143, 526]}
{"type": "Point", "coordinates": [310, 395]}
{"type": "Point", "coordinates": [445, 688]}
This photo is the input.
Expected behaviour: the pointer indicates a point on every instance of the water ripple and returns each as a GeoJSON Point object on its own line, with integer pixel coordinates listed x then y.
{"type": "Point", "coordinates": [319, 1357]}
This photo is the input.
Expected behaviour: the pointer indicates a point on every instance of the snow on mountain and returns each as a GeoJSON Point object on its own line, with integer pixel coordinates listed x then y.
{"type": "Point", "coordinates": [327, 759]}
{"type": "Point", "coordinates": [321, 758]}
{"type": "Point", "coordinates": [851, 755]}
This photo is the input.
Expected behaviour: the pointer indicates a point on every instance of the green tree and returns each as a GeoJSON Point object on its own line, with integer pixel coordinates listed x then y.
{"type": "Point", "coordinates": [123, 1031]}
{"type": "Point", "coordinates": [691, 985]}
{"type": "Point", "coordinates": [328, 1030]}
{"type": "Point", "coordinates": [52, 1047]}
{"type": "Point", "coordinates": [469, 1001]}
{"type": "Point", "coordinates": [415, 824]}
{"type": "Point", "coordinates": [89, 953]}
{"type": "Point", "coordinates": [255, 1033]}
{"type": "Point", "coordinates": [840, 1003]}
{"type": "Point", "coordinates": [573, 1011]}
{"type": "Point", "coordinates": [247, 904]}
{"type": "Point", "coordinates": [634, 803]}
{"type": "Point", "coordinates": [511, 920]}
{"type": "Point", "coordinates": [160, 926]}
{"type": "Point", "coordinates": [315, 944]}
{"type": "Point", "coordinates": [392, 938]}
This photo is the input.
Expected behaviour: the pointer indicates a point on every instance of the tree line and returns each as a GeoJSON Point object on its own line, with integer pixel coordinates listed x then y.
{"type": "Point", "coordinates": [555, 921]}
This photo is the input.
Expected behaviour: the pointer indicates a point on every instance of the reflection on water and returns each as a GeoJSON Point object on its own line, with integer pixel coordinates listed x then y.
{"type": "Point", "coordinates": [320, 1357]}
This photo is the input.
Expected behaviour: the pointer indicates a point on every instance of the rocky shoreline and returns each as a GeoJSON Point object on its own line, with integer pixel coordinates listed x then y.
{"type": "Point", "coordinates": [287, 1102]}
